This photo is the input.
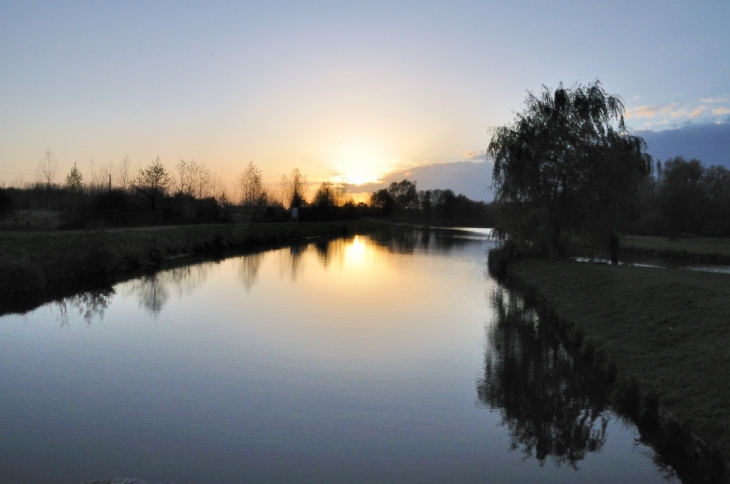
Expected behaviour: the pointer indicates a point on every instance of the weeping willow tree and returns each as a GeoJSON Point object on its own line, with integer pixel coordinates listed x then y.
{"type": "Point", "coordinates": [566, 170]}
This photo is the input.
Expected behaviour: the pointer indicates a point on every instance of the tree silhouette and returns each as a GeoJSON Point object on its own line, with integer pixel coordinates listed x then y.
{"type": "Point", "coordinates": [6, 204]}
{"type": "Point", "coordinates": [253, 193]}
{"type": "Point", "coordinates": [47, 168]}
{"type": "Point", "coordinates": [565, 169]}
{"type": "Point", "coordinates": [383, 201]}
{"type": "Point", "coordinates": [683, 194]}
{"type": "Point", "coordinates": [74, 180]}
{"type": "Point", "coordinates": [404, 193]}
{"type": "Point", "coordinates": [294, 186]}
{"type": "Point", "coordinates": [326, 196]}
{"type": "Point", "coordinates": [153, 182]}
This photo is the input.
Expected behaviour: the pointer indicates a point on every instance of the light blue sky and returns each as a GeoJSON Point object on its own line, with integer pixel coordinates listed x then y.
{"type": "Point", "coordinates": [334, 88]}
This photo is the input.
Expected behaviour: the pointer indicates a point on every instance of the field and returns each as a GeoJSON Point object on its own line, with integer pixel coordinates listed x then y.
{"type": "Point", "coordinates": [701, 246]}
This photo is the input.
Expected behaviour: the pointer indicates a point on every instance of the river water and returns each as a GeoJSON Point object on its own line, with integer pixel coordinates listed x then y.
{"type": "Point", "coordinates": [390, 358]}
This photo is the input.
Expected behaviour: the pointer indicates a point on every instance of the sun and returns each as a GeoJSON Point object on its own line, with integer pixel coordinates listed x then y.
{"type": "Point", "coordinates": [358, 163]}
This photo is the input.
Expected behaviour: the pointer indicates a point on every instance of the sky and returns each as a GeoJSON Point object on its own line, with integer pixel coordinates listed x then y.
{"type": "Point", "coordinates": [361, 92]}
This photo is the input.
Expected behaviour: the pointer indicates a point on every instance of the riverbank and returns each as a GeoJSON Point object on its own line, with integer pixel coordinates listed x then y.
{"type": "Point", "coordinates": [713, 250]}
{"type": "Point", "coordinates": [662, 334]}
{"type": "Point", "coordinates": [34, 261]}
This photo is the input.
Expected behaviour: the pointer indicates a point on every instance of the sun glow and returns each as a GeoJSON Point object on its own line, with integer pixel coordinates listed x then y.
{"type": "Point", "coordinates": [357, 163]}
{"type": "Point", "coordinates": [355, 252]}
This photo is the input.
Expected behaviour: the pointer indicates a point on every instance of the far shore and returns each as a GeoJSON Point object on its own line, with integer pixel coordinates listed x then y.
{"type": "Point", "coordinates": [36, 261]}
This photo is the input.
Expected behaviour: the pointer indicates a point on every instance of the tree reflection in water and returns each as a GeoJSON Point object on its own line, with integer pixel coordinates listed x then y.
{"type": "Point", "coordinates": [552, 404]}
{"type": "Point", "coordinates": [89, 305]}
{"type": "Point", "coordinates": [324, 248]}
{"type": "Point", "coordinates": [248, 269]}
{"type": "Point", "coordinates": [291, 264]}
{"type": "Point", "coordinates": [153, 291]}
{"type": "Point", "coordinates": [407, 240]}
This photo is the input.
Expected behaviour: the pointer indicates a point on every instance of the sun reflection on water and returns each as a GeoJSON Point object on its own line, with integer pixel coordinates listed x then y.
{"type": "Point", "coordinates": [355, 252]}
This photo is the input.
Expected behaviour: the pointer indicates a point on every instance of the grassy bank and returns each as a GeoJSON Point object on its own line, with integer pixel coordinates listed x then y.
{"type": "Point", "coordinates": [706, 249]}
{"type": "Point", "coordinates": [668, 330]}
{"type": "Point", "coordinates": [34, 261]}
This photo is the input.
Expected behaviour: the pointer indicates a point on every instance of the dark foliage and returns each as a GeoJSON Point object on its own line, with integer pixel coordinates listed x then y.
{"type": "Point", "coordinates": [566, 169]}
{"type": "Point", "coordinates": [6, 204]}
{"type": "Point", "coordinates": [685, 198]}
{"type": "Point", "coordinates": [401, 200]}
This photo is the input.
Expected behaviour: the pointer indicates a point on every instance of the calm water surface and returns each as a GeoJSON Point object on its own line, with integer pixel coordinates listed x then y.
{"type": "Point", "coordinates": [369, 359]}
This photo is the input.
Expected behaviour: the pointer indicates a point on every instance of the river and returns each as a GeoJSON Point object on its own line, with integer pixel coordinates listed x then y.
{"type": "Point", "coordinates": [382, 358]}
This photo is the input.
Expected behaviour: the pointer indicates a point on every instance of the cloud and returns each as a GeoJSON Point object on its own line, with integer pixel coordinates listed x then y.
{"type": "Point", "coordinates": [470, 178]}
{"type": "Point", "coordinates": [475, 155]}
{"type": "Point", "coordinates": [709, 142]}
{"type": "Point", "coordinates": [677, 115]}
{"type": "Point", "coordinates": [697, 112]}
{"type": "Point", "coordinates": [648, 111]}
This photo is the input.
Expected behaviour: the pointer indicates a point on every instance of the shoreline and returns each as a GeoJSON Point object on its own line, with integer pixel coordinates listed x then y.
{"type": "Point", "coordinates": [590, 305]}
{"type": "Point", "coordinates": [32, 262]}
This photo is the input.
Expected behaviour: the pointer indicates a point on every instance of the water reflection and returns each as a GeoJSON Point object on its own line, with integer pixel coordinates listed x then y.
{"type": "Point", "coordinates": [89, 305]}
{"type": "Point", "coordinates": [406, 241]}
{"type": "Point", "coordinates": [291, 264]}
{"type": "Point", "coordinates": [371, 353]}
{"type": "Point", "coordinates": [553, 406]}
{"type": "Point", "coordinates": [248, 269]}
{"type": "Point", "coordinates": [153, 291]}
{"type": "Point", "coordinates": [324, 251]}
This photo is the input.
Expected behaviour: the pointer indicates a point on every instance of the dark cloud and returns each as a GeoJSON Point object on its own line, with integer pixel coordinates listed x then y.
{"type": "Point", "coordinates": [471, 178]}
{"type": "Point", "coordinates": [707, 142]}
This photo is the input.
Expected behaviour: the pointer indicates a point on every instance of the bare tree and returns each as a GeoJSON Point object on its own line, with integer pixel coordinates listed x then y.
{"type": "Point", "coordinates": [293, 188]}
{"type": "Point", "coordinates": [47, 169]}
{"type": "Point", "coordinates": [185, 177]}
{"type": "Point", "coordinates": [122, 172]}
{"type": "Point", "coordinates": [253, 195]}
{"type": "Point", "coordinates": [194, 179]}
{"type": "Point", "coordinates": [153, 182]}
{"type": "Point", "coordinates": [342, 196]}
{"type": "Point", "coordinates": [203, 182]}
{"type": "Point", "coordinates": [100, 175]}
{"type": "Point", "coordinates": [217, 189]}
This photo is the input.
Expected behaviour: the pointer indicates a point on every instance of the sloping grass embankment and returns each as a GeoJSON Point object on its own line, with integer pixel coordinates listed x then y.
{"type": "Point", "coordinates": [667, 330]}
{"type": "Point", "coordinates": [33, 261]}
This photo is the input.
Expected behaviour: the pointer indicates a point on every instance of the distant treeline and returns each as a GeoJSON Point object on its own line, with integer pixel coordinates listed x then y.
{"type": "Point", "coordinates": [190, 195]}
{"type": "Point", "coordinates": [403, 201]}
{"type": "Point", "coordinates": [685, 197]}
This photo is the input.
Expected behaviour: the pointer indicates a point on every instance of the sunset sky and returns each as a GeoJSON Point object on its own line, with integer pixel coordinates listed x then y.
{"type": "Point", "coordinates": [353, 91]}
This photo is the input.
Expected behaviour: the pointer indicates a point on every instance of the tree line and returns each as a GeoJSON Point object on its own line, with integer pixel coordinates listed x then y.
{"type": "Point", "coordinates": [110, 196]}
{"type": "Point", "coordinates": [684, 197]}
{"type": "Point", "coordinates": [403, 201]}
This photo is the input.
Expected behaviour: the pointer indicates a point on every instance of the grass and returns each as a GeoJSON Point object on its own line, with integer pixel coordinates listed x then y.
{"type": "Point", "coordinates": [32, 261]}
{"type": "Point", "coordinates": [668, 329]}
{"type": "Point", "coordinates": [692, 245]}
